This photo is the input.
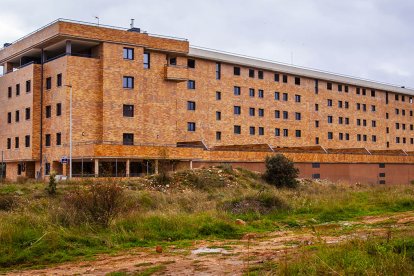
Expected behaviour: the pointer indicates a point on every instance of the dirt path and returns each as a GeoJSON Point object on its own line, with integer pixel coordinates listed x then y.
{"type": "Point", "coordinates": [227, 257]}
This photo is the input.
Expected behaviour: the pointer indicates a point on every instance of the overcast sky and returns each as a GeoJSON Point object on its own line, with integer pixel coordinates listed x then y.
{"type": "Point", "coordinates": [371, 39]}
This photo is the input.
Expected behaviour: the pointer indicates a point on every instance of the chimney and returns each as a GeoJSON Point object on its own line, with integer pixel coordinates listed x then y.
{"type": "Point", "coordinates": [5, 45]}
{"type": "Point", "coordinates": [133, 29]}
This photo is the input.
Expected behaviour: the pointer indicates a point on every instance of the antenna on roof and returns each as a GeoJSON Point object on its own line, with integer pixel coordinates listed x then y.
{"type": "Point", "coordinates": [132, 23]}
{"type": "Point", "coordinates": [97, 18]}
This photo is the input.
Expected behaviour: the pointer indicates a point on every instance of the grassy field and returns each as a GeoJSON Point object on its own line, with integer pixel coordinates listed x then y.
{"type": "Point", "coordinates": [37, 229]}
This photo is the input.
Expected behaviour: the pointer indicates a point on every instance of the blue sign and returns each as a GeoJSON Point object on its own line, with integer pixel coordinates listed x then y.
{"type": "Point", "coordinates": [64, 160]}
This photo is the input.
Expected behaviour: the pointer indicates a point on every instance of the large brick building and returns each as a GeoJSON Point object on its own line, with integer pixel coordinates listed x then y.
{"type": "Point", "coordinates": [141, 102]}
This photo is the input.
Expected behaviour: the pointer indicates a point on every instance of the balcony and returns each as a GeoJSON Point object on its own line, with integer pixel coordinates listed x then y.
{"type": "Point", "coordinates": [176, 73]}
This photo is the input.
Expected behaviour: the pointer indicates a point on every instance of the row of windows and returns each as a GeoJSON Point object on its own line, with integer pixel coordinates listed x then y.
{"type": "Point", "coordinates": [28, 89]}
{"type": "Point", "coordinates": [129, 54]}
{"type": "Point", "coordinates": [397, 112]}
{"type": "Point", "coordinates": [17, 142]}
{"type": "Point", "coordinates": [17, 115]}
{"type": "Point", "coordinates": [48, 110]}
{"type": "Point", "coordinates": [48, 139]}
{"type": "Point", "coordinates": [58, 81]}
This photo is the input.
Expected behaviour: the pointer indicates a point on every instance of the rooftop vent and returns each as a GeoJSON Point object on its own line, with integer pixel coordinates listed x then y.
{"type": "Point", "coordinates": [6, 45]}
{"type": "Point", "coordinates": [133, 29]}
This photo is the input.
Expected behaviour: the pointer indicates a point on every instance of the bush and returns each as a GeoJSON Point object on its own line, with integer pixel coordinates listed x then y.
{"type": "Point", "coordinates": [52, 184]}
{"type": "Point", "coordinates": [262, 203]}
{"type": "Point", "coordinates": [8, 202]}
{"type": "Point", "coordinates": [97, 204]}
{"type": "Point", "coordinates": [162, 178]}
{"type": "Point", "coordinates": [280, 171]}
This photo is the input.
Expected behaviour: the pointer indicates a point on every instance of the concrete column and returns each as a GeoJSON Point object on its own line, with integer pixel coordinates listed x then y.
{"type": "Point", "coordinates": [96, 167]}
{"type": "Point", "coordinates": [65, 169]}
{"type": "Point", "coordinates": [191, 164]}
{"type": "Point", "coordinates": [128, 162]}
{"type": "Point", "coordinates": [156, 166]}
{"type": "Point", "coordinates": [68, 47]}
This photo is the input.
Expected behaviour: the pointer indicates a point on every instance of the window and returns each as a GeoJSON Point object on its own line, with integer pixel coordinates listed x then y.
{"type": "Point", "coordinates": [28, 86]}
{"type": "Point", "coordinates": [297, 98]}
{"type": "Point", "coordinates": [381, 165]}
{"type": "Point", "coordinates": [364, 107]}
{"type": "Point", "coordinates": [365, 138]}
{"type": "Point", "coordinates": [191, 105]}
{"type": "Point", "coordinates": [358, 106]}
{"type": "Point", "coordinates": [285, 115]}
{"type": "Point", "coordinates": [317, 140]}
{"type": "Point", "coordinates": [297, 81]}
{"type": "Point", "coordinates": [397, 125]}
{"type": "Point", "coordinates": [48, 111]}
{"type": "Point", "coordinates": [190, 63]}
{"type": "Point", "coordinates": [396, 97]}
{"type": "Point", "coordinates": [330, 119]}
{"type": "Point", "coordinates": [260, 75]}
{"type": "Point", "coordinates": [364, 122]}
{"type": "Point", "coordinates": [218, 71]}
{"type": "Point", "coordinates": [251, 73]}
{"type": "Point", "coordinates": [347, 121]}
{"type": "Point", "coordinates": [128, 139]}
{"type": "Point", "coordinates": [358, 137]}
{"type": "Point", "coordinates": [358, 122]}
{"type": "Point", "coordinates": [373, 108]}
{"type": "Point", "coordinates": [128, 82]}
{"type": "Point", "coordinates": [128, 110]}
{"type": "Point", "coordinates": [218, 115]}
{"type": "Point", "coordinates": [316, 176]}
{"type": "Point", "coordinates": [316, 165]}
{"type": "Point", "coordinates": [339, 87]}
{"type": "Point", "coordinates": [397, 111]}
{"type": "Point", "coordinates": [358, 91]}
{"type": "Point", "coordinates": [8, 143]}
{"type": "Point", "coordinates": [251, 111]}
{"type": "Point", "coordinates": [147, 60]}
{"type": "Point", "coordinates": [276, 77]}
{"type": "Point", "coordinates": [277, 114]}
{"type": "Point", "coordinates": [329, 102]}
{"type": "Point", "coordinates": [316, 86]}
{"type": "Point", "coordinates": [191, 84]}
{"type": "Point", "coordinates": [340, 120]}
{"type": "Point", "coordinates": [285, 79]}
{"type": "Point", "coordinates": [374, 123]}
{"type": "Point", "coordinates": [27, 141]}
{"type": "Point", "coordinates": [285, 132]}
{"type": "Point", "coordinates": [346, 105]}
{"type": "Point", "coordinates": [285, 97]}
{"type": "Point", "coordinates": [173, 61]}
{"type": "Point", "coordinates": [47, 140]}
{"type": "Point", "coordinates": [10, 92]}
{"type": "Point", "coordinates": [298, 133]}
{"type": "Point", "coordinates": [346, 89]}
{"type": "Point", "coordinates": [374, 138]}
{"type": "Point", "coordinates": [403, 112]}
{"type": "Point", "coordinates": [277, 131]}
{"type": "Point", "coordinates": [191, 126]}
{"type": "Point", "coordinates": [237, 129]}
{"type": "Point", "coordinates": [364, 91]}
{"type": "Point", "coordinates": [329, 86]}
{"type": "Point", "coordinates": [47, 168]}
{"type": "Point", "coordinates": [236, 71]}
{"type": "Point", "coordinates": [340, 104]}
{"type": "Point", "coordinates": [58, 109]}
{"type": "Point", "coordinates": [341, 136]}
{"type": "Point", "coordinates": [261, 131]}
{"type": "Point", "coordinates": [261, 94]}
{"type": "Point", "coordinates": [251, 92]}
{"type": "Point", "coordinates": [218, 95]}
{"type": "Point", "coordinates": [237, 90]}
{"type": "Point", "coordinates": [277, 96]}
{"type": "Point", "coordinates": [298, 116]}
{"type": "Point", "coordinates": [330, 135]}
{"type": "Point", "coordinates": [316, 107]}
{"type": "Point", "coordinates": [347, 136]}
{"type": "Point", "coordinates": [48, 83]}
{"type": "Point", "coordinates": [372, 93]}
{"type": "Point", "coordinates": [261, 112]}
{"type": "Point", "coordinates": [17, 89]}
{"type": "Point", "coordinates": [252, 130]}
{"type": "Point", "coordinates": [59, 80]}
{"type": "Point", "coordinates": [129, 53]}
{"type": "Point", "coordinates": [402, 98]}
{"type": "Point", "coordinates": [58, 139]}
{"type": "Point", "coordinates": [9, 117]}
{"type": "Point", "coordinates": [17, 119]}
{"type": "Point", "coordinates": [27, 113]}
{"type": "Point", "coordinates": [316, 123]}
{"type": "Point", "coordinates": [237, 110]}
{"type": "Point", "coordinates": [218, 135]}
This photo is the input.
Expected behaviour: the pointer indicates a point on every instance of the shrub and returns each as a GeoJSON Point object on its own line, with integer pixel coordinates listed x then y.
{"type": "Point", "coordinates": [262, 203]}
{"type": "Point", "coordinates": [52, 183]}
{"type": "Point", "coordinates": [97, 204]}
{"type": "Point", "coordinates": [162, 178]}
{"type": "Point", "coordinates": [7, 202]}
{"type": "Point", "coordinates": [280, 171]}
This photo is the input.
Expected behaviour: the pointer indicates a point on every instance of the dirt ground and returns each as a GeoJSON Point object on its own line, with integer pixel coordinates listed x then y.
{"type": "Point", "coordinates": [228, 257]}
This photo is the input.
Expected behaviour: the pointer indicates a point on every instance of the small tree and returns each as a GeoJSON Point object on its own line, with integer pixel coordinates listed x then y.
{"type": "Point", "coordinates": [52, 183]}
{"type": "Point", "coordinates": [280, 171]}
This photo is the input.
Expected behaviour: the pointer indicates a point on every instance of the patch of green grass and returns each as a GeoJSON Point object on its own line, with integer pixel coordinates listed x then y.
{"type": "Point", "coordinates": [151, 270]}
